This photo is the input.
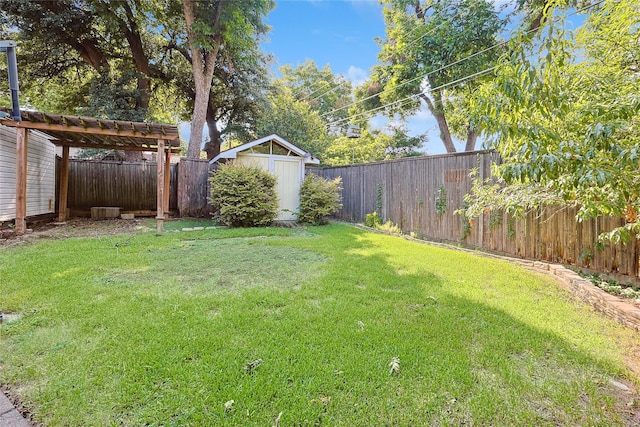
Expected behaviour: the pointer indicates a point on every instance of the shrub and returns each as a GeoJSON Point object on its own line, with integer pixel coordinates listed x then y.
{"type": "Point", "coordinates": [319, 198]}
{"type": "Point", "coordinates": [390, 227]}
{"type": "Point", "coordinates": [372, 220]}
{"type": "Point", "coordinates": [244, 196]}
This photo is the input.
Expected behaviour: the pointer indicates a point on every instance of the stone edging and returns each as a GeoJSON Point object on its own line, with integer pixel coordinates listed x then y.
{"type": "Point", "coordinates": [197, 228]}
{"type": "Point", "coordinates": [615, 307]}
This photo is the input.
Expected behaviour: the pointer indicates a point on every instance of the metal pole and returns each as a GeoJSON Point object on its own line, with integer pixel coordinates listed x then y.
{"type": "Point", "coordinates": [9, 46]}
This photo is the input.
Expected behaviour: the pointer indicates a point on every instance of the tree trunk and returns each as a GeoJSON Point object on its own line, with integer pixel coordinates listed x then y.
{"type": "Point", "coordinates": [438, 113]}
{"type": "Point", "coordinates": [472, 137]}
{"type": "Point", "coordinates": [203, 63]}
{"type": "Point", "coordinates": [212, 147]}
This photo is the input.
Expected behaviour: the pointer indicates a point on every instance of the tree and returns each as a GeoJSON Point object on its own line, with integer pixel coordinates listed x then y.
{"type": "Point", "coordinates": [99, 39]}
{"type": "Point", "coordinates": [325, 92]}
{"type": "Point", "coordinates": [566, 122]}
{"type": "Point", "coordinates": [236, 96]}
{"type": "Point", "coordinates": [210, 25]}
{"type": "Point", "coordinates": [419, 59]}
{"type": "Point", "coordinates": [293, 120]}
{"type": "Point", "coordinates": [129, 60]}
{"type": "Point", "coordinates": [373, 146]}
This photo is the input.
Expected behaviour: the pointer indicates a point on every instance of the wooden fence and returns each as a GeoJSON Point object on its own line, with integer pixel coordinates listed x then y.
{"type": "Point", "coordinates": [421, 194]}
{"type": "Point", "coordinates": [132, 186]}
{"type": "Point", "coordinates": [128, 185]}
{"type": "Point", "coordinates": [193, 188]}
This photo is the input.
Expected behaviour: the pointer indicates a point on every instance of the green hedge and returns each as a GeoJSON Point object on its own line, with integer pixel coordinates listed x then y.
{"type": "Point", "coordinates": [319, 198]}
{"type": "Point", "coordinates": [244, 196]}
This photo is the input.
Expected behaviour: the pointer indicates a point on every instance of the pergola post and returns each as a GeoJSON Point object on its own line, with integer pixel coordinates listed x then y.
{"type": "Point", "coordinates": [22, 142]}
{"type": "Point", "coordinates": [64, 185]}
{"type": "Point", "coordinates": [160, 193]}
{"type": "Point", "coordinates": [167, 177]}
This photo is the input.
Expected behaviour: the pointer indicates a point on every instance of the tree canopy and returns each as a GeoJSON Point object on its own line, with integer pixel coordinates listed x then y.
{"type": "Point", "coordinates": [292, 119]}
{"type": "Point", "coordinates": [325, 92]}
{"type": "Point", "coordinates": [130, 59]}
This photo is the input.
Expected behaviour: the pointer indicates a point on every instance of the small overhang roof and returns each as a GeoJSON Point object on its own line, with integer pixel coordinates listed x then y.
{"type": "Point", "coordinates": [89, 132]}
{"type": "Point", "coordinates": [233, 152]}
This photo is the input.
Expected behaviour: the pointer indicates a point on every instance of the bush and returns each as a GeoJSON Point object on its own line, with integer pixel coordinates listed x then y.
{"type": "Point", "coordinates": [244, 196]}
{"type": "Point", "coordinates": [319, 198]}
{"type": "Point", "coordinates": [372, 220]}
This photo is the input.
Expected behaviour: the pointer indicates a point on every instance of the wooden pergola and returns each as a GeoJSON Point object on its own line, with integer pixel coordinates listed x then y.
{"type": "Point", "coordinates": [87, 132]}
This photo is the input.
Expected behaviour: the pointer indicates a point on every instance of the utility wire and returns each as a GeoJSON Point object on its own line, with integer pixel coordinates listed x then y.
{"type": "Point", "coordinates": [444, 67]}
{"type": "Point", "coordinates": [431, 31]}
{"type": "Point", "coordinates": [442, 86]}
{"type": "Point", "coordinates": [329, 91]}
{"type": "Point", "coordinates": [315, 91]}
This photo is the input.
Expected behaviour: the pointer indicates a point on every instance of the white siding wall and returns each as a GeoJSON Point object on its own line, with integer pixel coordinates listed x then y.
{"type": "Point", "coordinates": [40, 174]}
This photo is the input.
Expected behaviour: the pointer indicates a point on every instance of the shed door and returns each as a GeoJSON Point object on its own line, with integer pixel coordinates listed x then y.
{"type": "Point", "coordinates": [288, 187]}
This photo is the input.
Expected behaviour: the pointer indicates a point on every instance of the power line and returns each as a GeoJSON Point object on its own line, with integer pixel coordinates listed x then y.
{"type": "Point", "coordinates": [431, 31]}
{"type": "Point", "coordinates": [315, 91]}
{"type": "Point", "coordinates": [329, 91]}
{"type": "Point", "coordinates": [444, 67]}
{"type": "Point", "coordinates": [442, 86]}
{"type": "Point", "coordinates": [301, 90]}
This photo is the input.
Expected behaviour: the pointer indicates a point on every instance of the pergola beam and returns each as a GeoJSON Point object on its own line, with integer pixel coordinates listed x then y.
{"type": "Point", "coordinates": [148, 148]}
{"type": "Point", "coordinates": [44, 127]}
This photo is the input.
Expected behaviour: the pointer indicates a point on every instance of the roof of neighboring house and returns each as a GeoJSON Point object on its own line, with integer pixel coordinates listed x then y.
{"type": "Point", "coordinates": [233, 152]}
{"type": "Point", "coordinates": [89, 132]}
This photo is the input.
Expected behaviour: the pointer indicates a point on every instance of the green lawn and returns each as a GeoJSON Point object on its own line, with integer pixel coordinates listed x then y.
{"type": "Point", "coordinates": [140, 329]}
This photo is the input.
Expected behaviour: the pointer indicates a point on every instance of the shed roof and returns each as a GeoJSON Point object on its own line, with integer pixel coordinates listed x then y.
{"type": "Point", "coordinates": [89, 132]}
{"type": "Point", "coordinates": [233, 152]}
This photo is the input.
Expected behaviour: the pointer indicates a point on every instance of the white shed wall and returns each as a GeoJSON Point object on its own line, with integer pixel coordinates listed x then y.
{"type": "Point", "coordinates": [41, 177]}
{"type": "Point", "coordinates": [289, 172]}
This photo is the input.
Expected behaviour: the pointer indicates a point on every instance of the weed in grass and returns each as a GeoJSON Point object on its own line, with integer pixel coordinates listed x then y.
{"type": "Point", "coordinates": [170, 330]}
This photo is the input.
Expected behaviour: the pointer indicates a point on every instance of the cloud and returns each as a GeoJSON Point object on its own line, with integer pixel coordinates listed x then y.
{"type": "Point", "coordinates": [356, 75]}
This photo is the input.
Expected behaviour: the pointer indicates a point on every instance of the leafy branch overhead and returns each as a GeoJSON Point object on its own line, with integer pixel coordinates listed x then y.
{"type": "Point", "coordinates": [563, 111]}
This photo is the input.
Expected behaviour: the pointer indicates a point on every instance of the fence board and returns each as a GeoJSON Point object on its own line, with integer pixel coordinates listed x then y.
{"type": "Point", "coordinates": [405, 191]}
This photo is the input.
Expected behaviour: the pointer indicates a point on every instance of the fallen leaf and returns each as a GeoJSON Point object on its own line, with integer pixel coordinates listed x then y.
{"type": "Point", "coordinates": [394, 366]}
{"type": "Point", "coordinates": [276, 422]}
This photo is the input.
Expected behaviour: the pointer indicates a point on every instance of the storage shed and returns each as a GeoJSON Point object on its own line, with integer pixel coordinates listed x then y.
{"type": "Point", "coordinates": [280, 158]}
{"type": "Point", "coordinates": [41, 176]}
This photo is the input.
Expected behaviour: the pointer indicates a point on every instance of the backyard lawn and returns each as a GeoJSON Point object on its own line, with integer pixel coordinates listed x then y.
{"type": "Point", "coordinates": [281, 327]}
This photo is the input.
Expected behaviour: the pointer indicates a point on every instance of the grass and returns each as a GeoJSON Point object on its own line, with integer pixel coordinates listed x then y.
{"type": "Point", "coordinates": [145, 330]}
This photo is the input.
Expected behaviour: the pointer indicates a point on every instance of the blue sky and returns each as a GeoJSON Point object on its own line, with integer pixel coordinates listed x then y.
{"type": "Point", "coordinates": [334, 32]}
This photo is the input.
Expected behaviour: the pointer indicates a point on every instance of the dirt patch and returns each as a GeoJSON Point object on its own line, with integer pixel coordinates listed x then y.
{"type": "Point", "coordinates": [76, 227]}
